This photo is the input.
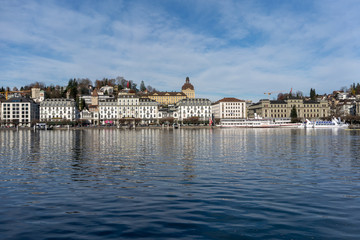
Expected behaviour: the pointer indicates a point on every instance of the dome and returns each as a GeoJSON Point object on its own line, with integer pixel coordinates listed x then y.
{"type": "Point", "coordinates": [187, 85]}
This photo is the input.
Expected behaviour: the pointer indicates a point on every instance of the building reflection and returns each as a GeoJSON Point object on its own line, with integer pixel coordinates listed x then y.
{"type": "Point", "coordinates": [149, 154]}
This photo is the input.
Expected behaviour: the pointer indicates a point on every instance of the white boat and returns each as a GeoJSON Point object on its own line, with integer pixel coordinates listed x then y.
{"type": "Point", "coordinates": [334, 123]}
{"type": "Point", "coordinates": [257, 123]}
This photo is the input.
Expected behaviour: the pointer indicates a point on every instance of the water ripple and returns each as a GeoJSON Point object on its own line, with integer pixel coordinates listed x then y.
{"type": "Point", "coordinates": [180, 184]}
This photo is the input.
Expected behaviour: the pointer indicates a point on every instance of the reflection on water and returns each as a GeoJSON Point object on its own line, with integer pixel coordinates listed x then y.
{"type": "Point", "coordinates": [185, 183]}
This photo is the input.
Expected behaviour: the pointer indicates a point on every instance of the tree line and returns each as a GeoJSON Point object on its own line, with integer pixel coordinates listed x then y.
{"type": "Point", "coordinates": [81, 86]}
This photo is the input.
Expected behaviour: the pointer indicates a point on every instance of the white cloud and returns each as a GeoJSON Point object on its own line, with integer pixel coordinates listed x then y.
{"type": "Point", "coordinates": [51, 43]}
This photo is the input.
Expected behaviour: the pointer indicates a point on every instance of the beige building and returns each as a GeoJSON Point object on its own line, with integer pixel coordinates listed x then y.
{"type": "Point", "coordinates": [229, 108]}
{"type": "Point", "coordinates": [282, 108]}
{"type": "Point", "coordinates": [169, 98]}
{"type": "Point", "coordinates": [166, 98]}
{"type": "Point", "coordinates": [188, 89]}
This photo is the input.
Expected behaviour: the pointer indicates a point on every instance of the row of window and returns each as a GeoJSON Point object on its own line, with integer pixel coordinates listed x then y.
{"type": "Point", "coordinates": [15, 104]}
{"type": "Point", "coordinates": [15, 116]}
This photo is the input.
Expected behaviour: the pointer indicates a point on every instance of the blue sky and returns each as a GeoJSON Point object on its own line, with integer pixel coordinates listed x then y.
{"type": "Point", "coordinates": [227, 48]}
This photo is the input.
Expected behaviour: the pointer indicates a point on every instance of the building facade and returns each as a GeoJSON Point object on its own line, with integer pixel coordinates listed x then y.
{"type": "Point", "coordinates": [229, 108]}
{"type": "Point", "coordinates": [1, 100]}
{"type": "Point", "coordinates": [171, 98]}
{"type": "Point", "coordinates": [194, 107]}
{"type": "Point", "coordinates": [282, 108]}
{"type": "Point", "coordinates": [57, 109]}
{"type": "Point", "coordinates": [149, 110]}
{"type": "Point", "coordinates": [108, 111]}
{"type": "Point", "coordinates": [346, 108]}
{"type": "Point", "coordinates": [19, 111]}
{"type": "Point", "coordinates": [166, 98]}
{"type": "Point", "coordinates": [128, 105]}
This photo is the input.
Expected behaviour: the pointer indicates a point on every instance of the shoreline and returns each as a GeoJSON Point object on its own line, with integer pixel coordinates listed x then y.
{"type": "Point", "coordinates": [351, 127]}
{"type": "Point", "coordinates": [110, 127]}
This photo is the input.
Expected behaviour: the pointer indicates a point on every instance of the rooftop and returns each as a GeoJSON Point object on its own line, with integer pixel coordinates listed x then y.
{"type": "Point", "coordinates": [229, 100]}
{"type": "Point", "coordinates": [187, 85]}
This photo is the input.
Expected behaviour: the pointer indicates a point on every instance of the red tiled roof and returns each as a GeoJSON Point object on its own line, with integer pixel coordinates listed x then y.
{"type": "Point", "coordinates": [230, 100]}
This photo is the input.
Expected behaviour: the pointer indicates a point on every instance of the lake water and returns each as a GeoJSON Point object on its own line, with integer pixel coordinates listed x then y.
{"type": "Point", "coordinates": [180, 184]}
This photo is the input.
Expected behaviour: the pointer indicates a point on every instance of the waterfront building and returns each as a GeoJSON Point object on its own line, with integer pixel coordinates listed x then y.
{"type": "Point", "coordinates": [19, 111]}
{"type": "Point", "coordinates": [128, 104]}
{"type": "Point", "coordinates": [57, 109]}
{"type": "Point", "coordinates": [87, 116]}
{"type": "Point", "coordinates": [1, 100]}
{"type": "Point", "coordinates": [149, 110]}
{"type": "Point", "coordinates": [357, 108]}
{"type": "Point", "coordinates": [168, 98]}
{"type": "Point", "coordinates": [194, 107]}
{"type": "Point", "coordinates": [108, 111]}
{"type": "Point", "coordinates": [229, 108]}
{"type": "Point", "coordinates": [169, 111]}
{"type": "Point", "coordinates": [282, 108]}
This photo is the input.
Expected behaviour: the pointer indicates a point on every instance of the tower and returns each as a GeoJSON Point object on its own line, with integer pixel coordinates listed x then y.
{"type": "Point", "coordinates": [188, 89]}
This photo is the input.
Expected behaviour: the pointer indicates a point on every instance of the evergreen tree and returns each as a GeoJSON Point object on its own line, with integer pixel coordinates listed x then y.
{"type": "Point", "coordinates": [72, 87]}
{"type": "Point", "coordinates": [82, 104]}
{"type": "Point", "coordinates": [312, 94]}
{"type": "Point", "coordinates": [293, 114]}
{"type": "Point", "coordinates": [357, 90]}
{"type": "Point", "coordinates": [142, 86]}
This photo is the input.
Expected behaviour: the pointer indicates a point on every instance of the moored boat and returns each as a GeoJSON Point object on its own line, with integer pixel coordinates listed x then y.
{"type": "Point", "coordinates": [334, 123]}
{"type": "Point", "coordinates": [258, 123]}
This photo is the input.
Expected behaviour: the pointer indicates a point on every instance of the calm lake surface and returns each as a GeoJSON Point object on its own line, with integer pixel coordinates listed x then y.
{"type": "Point", "coordinates": [180, 184]}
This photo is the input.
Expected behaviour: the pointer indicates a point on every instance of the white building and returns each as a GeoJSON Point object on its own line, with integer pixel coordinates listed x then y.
{"type": "Point", "coordinates": [20, 111]}
{"type": "Point", "coordinates": [229, 108]}
{"type": "Point", "coordinates": [86, 115]}
{"type": "Point", "coordinates": [128, 106]}
{"type": "Point", "coordinates": [57, 109]}
{"type": "Point", "coordinates": [194, 107]}
{"type": "Point", "coordinates": [1, 100]}
{"type": "Point", "coordinates": [342, 95]}
{"type": "Point", "coordinates": [346, 107]}
{"type": "Point", "coordinates": [108, 110]}
{"type": "Point", "coordinates": [149, 110]}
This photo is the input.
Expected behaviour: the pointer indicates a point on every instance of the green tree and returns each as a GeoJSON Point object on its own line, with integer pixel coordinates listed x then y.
{"type": "Point", "coordinates": [293, 113]}
{"type": "Point", "coordinates": [82, 104]}
{"type": "Point", "coordinates": [72, 87]}
{"type": "Point", "coordinates": [142, 86]}
{"type": "Point", "coordinates": [312, 94]}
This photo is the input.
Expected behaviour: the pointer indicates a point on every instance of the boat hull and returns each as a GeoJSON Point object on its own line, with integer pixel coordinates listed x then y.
{"type": "Point", "coordinates": [257, 123]}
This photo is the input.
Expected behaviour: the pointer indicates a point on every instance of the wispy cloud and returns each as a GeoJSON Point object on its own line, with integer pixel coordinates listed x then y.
{"type": "Point", "coordinates": [227, 48]}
